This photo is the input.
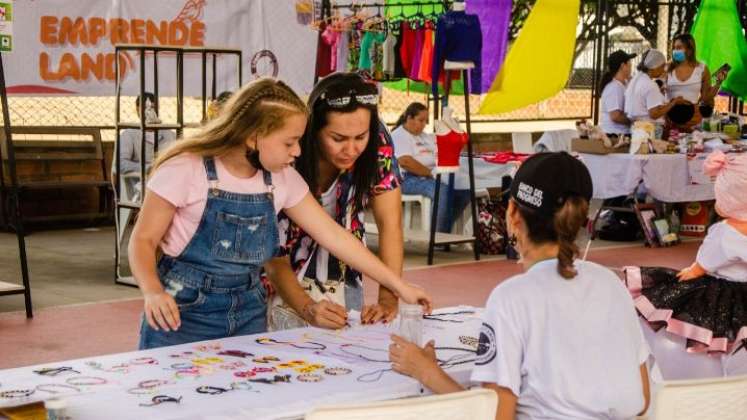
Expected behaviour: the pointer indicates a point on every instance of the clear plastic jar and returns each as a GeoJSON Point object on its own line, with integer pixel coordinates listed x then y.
{"type": "Point", "coordinates": [411, 323]}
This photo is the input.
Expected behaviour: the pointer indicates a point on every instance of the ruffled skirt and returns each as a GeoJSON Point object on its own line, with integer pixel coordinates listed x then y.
{"type": "Point", "coordinates": [710, 312]}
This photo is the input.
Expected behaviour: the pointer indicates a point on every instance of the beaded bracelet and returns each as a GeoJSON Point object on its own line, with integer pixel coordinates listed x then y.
{"type": "Point", "coordinates": [144, 361]}
{"type": "Point", "coordinates": [152, 383]}
{"type": "Point", "coordinates": [16, 393]}
{"type": "Point", "coordinates": [309, 377]}
{"type": "Point", "coordinates": [85, 380]}
{"type": "Point", "coordinates": [337, 371]}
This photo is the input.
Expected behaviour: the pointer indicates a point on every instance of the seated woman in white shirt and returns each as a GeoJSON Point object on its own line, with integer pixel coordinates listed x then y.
{"type": "Point", "coordinates": [612, 116]}
{"type": "Point", "coordinates": [644, 101]}
{"type": "Point", "coordinates": [416, 153]}
{"type": "Point", "coordinates": [561, 340]}
{"type": "Point", "coordinates": [690, 79]}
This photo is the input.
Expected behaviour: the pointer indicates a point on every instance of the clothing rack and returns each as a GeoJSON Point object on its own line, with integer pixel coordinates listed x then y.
{"type": "Point", "coordinates": [16, 215]}
{"type": "Point", "coordinates": [125, 207]}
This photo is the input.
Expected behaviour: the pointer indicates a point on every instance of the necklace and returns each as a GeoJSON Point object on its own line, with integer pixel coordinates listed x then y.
{"type": "Point", "coordinates": [313, 345]}
{"type": "Point", "coordinates": [344, 347]}
{"type": "Point", "coordinates": [445, 316]}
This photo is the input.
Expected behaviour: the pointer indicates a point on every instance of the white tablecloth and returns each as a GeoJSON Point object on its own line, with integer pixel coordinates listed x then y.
{"type": "Point", "coordinates": [666, 177]}
{"type": "Point", "coordinates": [291, 399]}
{"type": "Point", "coordinates": [487, 175]}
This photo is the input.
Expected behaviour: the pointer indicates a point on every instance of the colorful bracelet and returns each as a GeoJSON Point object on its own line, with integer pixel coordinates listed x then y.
{"type": "Point", "coordinates": [16, 393]}
{"type": "Point", "coordinates": [337, 371]}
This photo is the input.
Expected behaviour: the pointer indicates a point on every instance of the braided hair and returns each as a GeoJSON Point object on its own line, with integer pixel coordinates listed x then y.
{"type": "Point", "coordinates": [257, 109]}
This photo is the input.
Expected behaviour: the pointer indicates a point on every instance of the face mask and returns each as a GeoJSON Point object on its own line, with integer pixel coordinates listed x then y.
{"type": "Point", "coordinates": [678, 56]}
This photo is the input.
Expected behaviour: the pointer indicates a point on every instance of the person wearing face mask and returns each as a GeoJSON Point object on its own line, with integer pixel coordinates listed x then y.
{"type": "Point", "coordinates": [644, 100]}
{"type": "Point", "coordinates": [612, 116]}
{"type": "Point", "coordinates": [690, 79]}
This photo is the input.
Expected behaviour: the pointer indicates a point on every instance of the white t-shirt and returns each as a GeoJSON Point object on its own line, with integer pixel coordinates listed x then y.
{"type": "Point", "coordinates": [568, 349]}
{"type": "Point", "coordinates": [421, 147]}
{"type": "Point", "coordinates": [613, 99]}
{"type": "Point", "coordinates": [690, 88]}
{"type": "Point", "coordinates": [641, 95]}
{"type": "Point", "coordinates": [724, 252]}
{"type": "Point", "coordinates": [182, 181]}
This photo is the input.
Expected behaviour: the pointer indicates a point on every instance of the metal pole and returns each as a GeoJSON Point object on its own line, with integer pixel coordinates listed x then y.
{"type": "Point", "coordinates": [141, 111]}
{"type": "Point", "coordinates": [473, 200]}
{"type": "Point", "coordinates": [434, 218]}
{"type": "Point", "coordinates": [203, 56]}
{"type": "Point", "coordinates": [214, 80]}
{"type": "Point", "coordinates": [117, 165]}
{"type": "Point", "coordinates": [180, 92]}
{"type": "Point", "coordinates": [15, 194]}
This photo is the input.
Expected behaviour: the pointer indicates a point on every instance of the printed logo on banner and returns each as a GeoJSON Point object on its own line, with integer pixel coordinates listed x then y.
{"type": "Point", "coordinates": [486, 347]}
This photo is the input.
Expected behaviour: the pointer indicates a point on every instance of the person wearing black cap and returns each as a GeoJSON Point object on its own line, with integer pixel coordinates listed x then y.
{"type": "Point", "coordinates": [561, 340]}
{"type": "Point", "coordinates": [612, 116]}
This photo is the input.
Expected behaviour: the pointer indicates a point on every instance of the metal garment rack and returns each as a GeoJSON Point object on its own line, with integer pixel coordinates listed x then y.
{"type": "Point", "coordinates": [16, 218]}
{"type": "Point", "coordinates": [121, 221]}
{"type": "Point", "coordinates": [446, 239]}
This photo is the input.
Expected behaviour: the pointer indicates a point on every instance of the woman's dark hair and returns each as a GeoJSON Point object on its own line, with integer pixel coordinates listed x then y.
{"type": "Point", "coordinates": [562, 228]}
{"type": "Point", "coordinates": [334, 86]}
{"type": "Point", "coordinates": [411, 111]}
{"type": "Point", "coordinates": [689, 42]}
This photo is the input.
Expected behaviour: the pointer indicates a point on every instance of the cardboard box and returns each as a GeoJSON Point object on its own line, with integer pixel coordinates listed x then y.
{"type": "Point", "coordinates": [596, 147]}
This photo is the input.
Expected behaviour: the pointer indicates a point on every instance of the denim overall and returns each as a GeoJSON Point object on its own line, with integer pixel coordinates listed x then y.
{"type": "Point", "coordinates": [215, 280]}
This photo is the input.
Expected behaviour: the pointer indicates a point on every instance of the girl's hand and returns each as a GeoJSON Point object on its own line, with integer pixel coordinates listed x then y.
{"type": "Point", "coordinates": [161, 311]}
{"type": "Point", "coordinates": [381, 312]}
{"type": "Point", "coordinates": [414, 294]}
{"type": "Point", "coordinates": [325, 314]}
{"type": "Point", "coordinates": [411, 360]}
{"type": "Point", "coordinates": [691, 273]}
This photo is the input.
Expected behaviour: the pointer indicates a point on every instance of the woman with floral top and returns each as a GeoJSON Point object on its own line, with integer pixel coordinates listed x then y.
{"type": "Point", "coordinates": [348, 161]}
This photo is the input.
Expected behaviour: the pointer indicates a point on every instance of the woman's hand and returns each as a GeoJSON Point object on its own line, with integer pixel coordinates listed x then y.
{"type": "Point", "coordinates": [691, 273]}
{"type": "Point", "coordinates": [161, 311]}
{"type": "Point", "coordinates": [411, 360]}
{"type": "Point", "coordinates": [414, 294]}
{"type": "Point", "coordinates": [384, 311]}
{"type": "Point", "coordinates": [325, 314]}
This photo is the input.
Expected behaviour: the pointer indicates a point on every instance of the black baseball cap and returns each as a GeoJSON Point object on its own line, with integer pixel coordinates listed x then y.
{"type": "Point", "coordinates": [617, 58]}
{"type": "Point", "coordinates": [544, 181]}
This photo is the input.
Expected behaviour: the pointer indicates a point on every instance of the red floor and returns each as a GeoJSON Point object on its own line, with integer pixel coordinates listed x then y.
{"type": "Point", "coordinates": [94, 329]}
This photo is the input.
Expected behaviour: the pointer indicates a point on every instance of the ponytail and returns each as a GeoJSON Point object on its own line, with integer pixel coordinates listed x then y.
{"type": "Point", "coordinates": [568, 220]}
{"type": "Point", "coordinates": [562, 229]}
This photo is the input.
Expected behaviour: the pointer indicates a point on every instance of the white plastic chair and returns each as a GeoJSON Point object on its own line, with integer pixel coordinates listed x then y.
{"type": "Point", "coordinates": [475, 404]}
{"type": "Point", "coordinates": [715, 398]}
{"type": "Point", "coordinates": [425, 211]}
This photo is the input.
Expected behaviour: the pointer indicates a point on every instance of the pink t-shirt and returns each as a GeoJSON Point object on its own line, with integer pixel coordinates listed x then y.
{"type": "Point", "coordinates": [183, 182]}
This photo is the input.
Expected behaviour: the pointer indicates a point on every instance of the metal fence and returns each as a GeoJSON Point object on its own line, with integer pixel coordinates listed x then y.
{"type": "Point", "coordinates": [633, 26]}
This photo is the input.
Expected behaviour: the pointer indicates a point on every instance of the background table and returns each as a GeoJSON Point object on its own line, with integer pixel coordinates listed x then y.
{"type": "Point", "coordinates": [369, 380]}
{"type": "Point", "coordinates": [667, 178]}
{"type": "Point", "coordinates": [487, 175]}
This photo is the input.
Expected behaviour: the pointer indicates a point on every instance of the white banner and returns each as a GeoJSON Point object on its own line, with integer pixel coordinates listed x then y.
{"type": "Point", "coordinates": [67, 47]}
